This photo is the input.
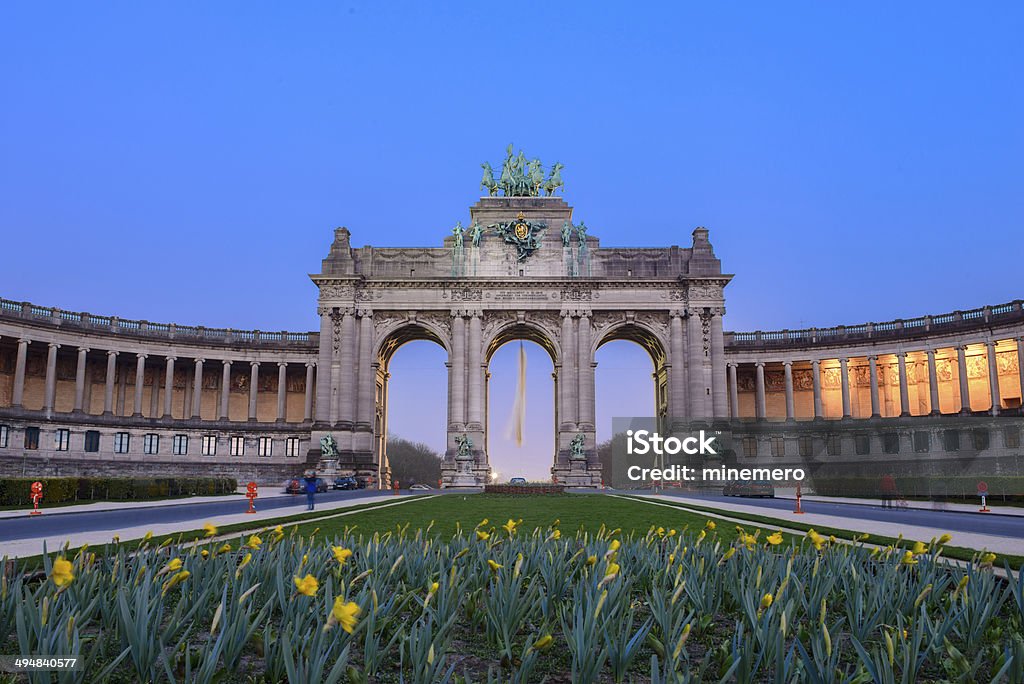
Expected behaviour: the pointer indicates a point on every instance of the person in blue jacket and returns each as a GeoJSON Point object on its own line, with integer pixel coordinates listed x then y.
{"type": "Point", "coordinates": [310, 489]}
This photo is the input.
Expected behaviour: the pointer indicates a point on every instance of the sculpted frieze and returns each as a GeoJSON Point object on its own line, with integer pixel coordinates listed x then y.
{"type": "Point", "coordinates": [705, 290]}
{"type": "Point", "coordinates": [330, 289]}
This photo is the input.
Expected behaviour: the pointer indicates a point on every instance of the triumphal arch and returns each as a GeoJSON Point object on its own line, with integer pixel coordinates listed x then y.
{"type": "Point", "coordinates": [522, 268]}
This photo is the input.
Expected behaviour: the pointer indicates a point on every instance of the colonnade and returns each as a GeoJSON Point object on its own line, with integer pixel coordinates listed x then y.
{"type": "Point", "coordinates": [192, 401]}
{"type": "Point", "coordinates": [960, 397]}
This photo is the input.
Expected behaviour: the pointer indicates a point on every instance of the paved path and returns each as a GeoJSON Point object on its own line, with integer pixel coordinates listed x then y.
{"type": "Point", "coordinates": [25, 536]}
{"type": "Point", "coordinates": [911, 503]}
{"type": "Point", "coordinates": [1001, 534]}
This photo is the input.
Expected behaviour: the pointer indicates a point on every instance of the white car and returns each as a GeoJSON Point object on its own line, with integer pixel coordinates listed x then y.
{"type": "Point", "coordinates": [420, 488]}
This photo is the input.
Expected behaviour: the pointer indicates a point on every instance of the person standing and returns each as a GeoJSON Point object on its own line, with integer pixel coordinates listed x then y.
{"type": "Point", "coordinates": [888, 490]}
{"type": "Point", "coordinates": [310, 490]}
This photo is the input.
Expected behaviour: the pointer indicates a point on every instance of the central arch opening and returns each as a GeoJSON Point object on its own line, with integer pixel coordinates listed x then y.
{"type": "Point", "coordinates": [532, 459]}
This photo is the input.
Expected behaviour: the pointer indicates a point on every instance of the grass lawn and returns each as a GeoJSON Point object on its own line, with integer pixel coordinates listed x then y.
{"type": "Point", "coordinates": [574, 511]}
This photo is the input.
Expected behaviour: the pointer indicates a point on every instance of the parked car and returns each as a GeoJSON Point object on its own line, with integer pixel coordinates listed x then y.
{"type": "Point", "coordinates": [420, 488]}
{"type": "Point", "coordinates": [297, 485]}
{"type": "Point", "coordinates": [517, 481]}
{"type": "Point", "coordinates": [758, 488]}
{"type": "Point", "coordinates": [366, 482]}
{"type": "Point", "coordinates": [346, 483]}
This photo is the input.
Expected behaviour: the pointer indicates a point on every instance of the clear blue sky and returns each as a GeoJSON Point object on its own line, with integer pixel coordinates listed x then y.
{"type": "Point", "coordinates": [187, 162]}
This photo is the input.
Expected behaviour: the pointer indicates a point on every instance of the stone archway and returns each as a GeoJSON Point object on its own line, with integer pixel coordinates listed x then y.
{"type": "Point", "coordinates": [528, 273]}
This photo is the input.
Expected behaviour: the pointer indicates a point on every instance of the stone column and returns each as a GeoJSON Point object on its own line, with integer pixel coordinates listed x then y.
{"type": "Point", "coordinates": [719, 397]}
{"type": "Point", "coordinates": [19, 374]}
{"type": "Point", "coordinates": [254, 380]}
{"type": "Point", "coordinates": [695, 367]}
{"type": "Point", "coordinates": [307, 404]}
{"type": "Point", "coordinates": [50, 391]}
{"type": "Point", "coordinates": [844, 372]}
{"type": "Point", "coordinates": [326, 361]}
{"type": "Point", "coordinates": [965, 387]}
{"type": "Point", "coordinates": [586, 373]}
{"type": "Point", "coordinates": [873, 370]}
{"type": "Point", "coordinates": [457, 410]}
{"type": "Point", "coordinates": [108, 390]}
{"type": "Point", "coordinates": [365, 392]}
{"type": "Point", "coordinates": [344, 385]}
{"type": "Point", "coordinates": [140, 381]}
{"type": "Point", "coordinates": [197, 391]}
{"type": "Point", "coordinates": [787, 367]}
{"type": "Point", "coordinates": [476, 388]}
{"type": "Point", "coordinates": [80, 379]}
{"type": "Point", "coordinates": [1020, 364]}
{"type": "Point", "coordinates": [734, 392]}
{"type": "Point", "coordinates": [169, 386]}
{"type": "Point", "coordinates": [282, 397]}
{"type": "Point", "coordinates": [933, 384]}
{"type": "Point", "coordinates": [993, 376]}
{"type": "Point", "coordinates": [819, 411]}
{"type": "Point", "coordinates": [567, 378]}
{"type": "Point", "coordinates": [901, 361]}
{"type": "Point", "coordinates": [677, 377]}
{"type": "Point", "coordinates": [760, 400]}
{"type": "Point", "coordinates": [225, 390]}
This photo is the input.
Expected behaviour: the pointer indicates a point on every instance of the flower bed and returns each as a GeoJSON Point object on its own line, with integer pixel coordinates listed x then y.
{"type": "Point", "coordinates": [498, 604]}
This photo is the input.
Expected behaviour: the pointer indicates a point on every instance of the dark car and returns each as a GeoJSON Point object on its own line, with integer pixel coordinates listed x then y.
{"type": "Point", "coordinates": [517, 481]}
{"type": "Point", "coordinates": [346, 483]}
{"type": "Point", "coordinates": [366, 482]}
{"type": "Point", "coordinates": [759, 488]}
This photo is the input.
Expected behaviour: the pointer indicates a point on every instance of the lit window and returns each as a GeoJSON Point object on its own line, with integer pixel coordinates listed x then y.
{"type": "Point", "coordinates": [265, 446]}
{"type": "Point", "coordinates": [291, 447]}
{"type": "Point", "coordinates": [179, 445]}
{"type": "Point", "coordinates": [31, 438]}
{"type": "Point", "coordinates": [4, 432]}
{"type": "Point", "coordinates": [92, 440]}
{"type": "Point", "coordinates": [209, 445]}
{"type": "Point", "coordinates": [237, 446]}
{"type": "Point", "coordinates": [62, 439]}
{"type": "Point", "coordinates": [121, 442]}
{"type": "Point", "coordinates": [151, 444]}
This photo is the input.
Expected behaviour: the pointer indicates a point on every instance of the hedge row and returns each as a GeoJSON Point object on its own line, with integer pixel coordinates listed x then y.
{"type": "Point", "coordinates": [16, 491]}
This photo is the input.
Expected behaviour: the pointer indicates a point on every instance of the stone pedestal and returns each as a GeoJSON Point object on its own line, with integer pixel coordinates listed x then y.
{"type": "Point", "coordinates": [577, 472]}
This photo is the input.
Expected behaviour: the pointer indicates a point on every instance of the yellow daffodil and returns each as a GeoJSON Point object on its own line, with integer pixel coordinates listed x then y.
{"type": "Point", "coordinates": [61, 573]}
{"type": "Point", "coordinates": [816, 539]}
{"type": "Point", "coordinates": [774, 539]}
{"type": "Point", "coordinates": [919, 548]}
{"type": "Point", "coordinates": [278, 533]}
{"type": "Point", "coordinates": [245, 561]}
{"type": "Point", "coordinates": [433, 588]}
{"type": "Point", "coordinates": [210, 530]}
{"type": "Point", "coordinates": [710, 524]}
{"type": "Point", "coordinates": [341, 554]}
{"type": "Point", "coordinates": [908, 558]}
{"type": "Point", "coordinates": [307, 586]}
{"type": "Point", "coordinates": [204, 553]}
{"type": "Point", "coordinates": [305, 559]}
{"type": "Point", "coordinates": [988, 558]}
{"type": "Point", "coordinates": [766, 601]}
{"type": "Point", "coordinates": [345, 613]}
{"type": "Point", "coordinates": [611, 570]}
{"type": "Point", "coordinates": [700, 537]}
{"type": "Point", "coordinates": [945, 539]}
{"type": "Point", "coordinates": [224, 549]}
{"type": "Point", "coordinates": [147, 537]}
{"type": "Point", "coordinates": [176, 580]}
{"type": "Point", "coordinates": [482, 523]}
{"type": "Point", "coordinates": [749, 541]}
{"type": "Point", "coordinates": [116, 538]}
{"type": "Point", "coordinates": [557, 522]}
{"type": "Point", "coordinates": [482, 536]}
{"type": "Point", "coordinates": [543, 642]}
{"type": "Point", "coordinates": [556, 534]}
{"type": "Point", "coordinates": [493, 565]}
{"type": "Point", "coordinates": [254, 542]}
{"type": "Point", "coordinates": [591, 560]}
{"type": "Point", "coordinates": [510, 526]}
{"type": "Point", "coordinates": [729, 554]}
{"type": "Point", "coordinates": [672, 533]}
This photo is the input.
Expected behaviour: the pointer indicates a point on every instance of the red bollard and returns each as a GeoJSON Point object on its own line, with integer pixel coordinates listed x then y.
{"type": "Point", "coordinates": [37, 494]}
{"type": "Point", "coordinates": [251, 493]}
{"type": "Point", "coordinates": [798, 510]}
{"type": "Point", "coordinates": [396, 487]}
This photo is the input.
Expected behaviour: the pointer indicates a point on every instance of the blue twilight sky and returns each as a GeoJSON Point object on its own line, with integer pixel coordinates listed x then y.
{"type": "Point", "coordinates": [187, 161]}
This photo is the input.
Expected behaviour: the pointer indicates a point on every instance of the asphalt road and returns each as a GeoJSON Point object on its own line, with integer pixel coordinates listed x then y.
{"type": "Point", "coordinates": [999, 525]}
{"type": "Point", "coordinates": [54, 522]}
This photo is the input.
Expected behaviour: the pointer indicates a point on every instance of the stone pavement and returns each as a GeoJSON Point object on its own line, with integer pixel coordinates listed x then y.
{"type": "Point", "coordinates": [922, 505]}
{"type": "Point", "coordinates": [32, 547]}
{"type": "Point", "coordinates": [995, 543]}
{"type": "Point", "coordinates": [127, 505]}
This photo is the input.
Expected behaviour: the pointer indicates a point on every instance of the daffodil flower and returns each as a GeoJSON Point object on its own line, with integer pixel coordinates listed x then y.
{"type": "Point", "coordinates": [307, 586]}
{"type": "Point", "coordinates": [210, 530]}
{"type": "Point", "coordinates": [774, 539]}
{"type": "Point", "coordinates": [61, 573]}
{"type": "Point", "coordinates": [341, 554]}
{"type": "Point", "coordinates": [345, 614]}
